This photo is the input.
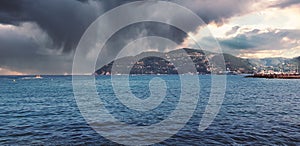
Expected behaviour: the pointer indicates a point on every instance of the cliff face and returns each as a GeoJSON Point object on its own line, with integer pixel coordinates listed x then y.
{"type": "Point", "coordinates": [237, 64]}
{"type": "Point", "coordinates": [171, 62]}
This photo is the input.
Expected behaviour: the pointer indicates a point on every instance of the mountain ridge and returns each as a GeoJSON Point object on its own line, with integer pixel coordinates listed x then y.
{"type": "Point", "coordinates": [146, 63]}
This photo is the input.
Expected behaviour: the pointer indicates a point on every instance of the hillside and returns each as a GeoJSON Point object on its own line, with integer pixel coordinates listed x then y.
{"type": "Point", "coordinates": [268, 61]}
{"type": "Point", "coordinates": [296, 61]}
{"type": "Point", "coordinates": [146, 63]}
{"type": "Point", "coordinates": [237, 64]}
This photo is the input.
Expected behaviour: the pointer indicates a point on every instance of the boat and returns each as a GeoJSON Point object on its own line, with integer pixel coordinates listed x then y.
{"type": "Point", "coordinates": [38, 77]}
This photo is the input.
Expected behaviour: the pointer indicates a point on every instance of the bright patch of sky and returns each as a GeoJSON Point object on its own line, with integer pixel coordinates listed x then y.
{"type": "Point", "coordinates": [264, 21]}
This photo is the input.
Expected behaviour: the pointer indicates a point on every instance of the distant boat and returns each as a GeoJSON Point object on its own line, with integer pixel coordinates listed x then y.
{"type": "Point", "coordinates": [38, 77]}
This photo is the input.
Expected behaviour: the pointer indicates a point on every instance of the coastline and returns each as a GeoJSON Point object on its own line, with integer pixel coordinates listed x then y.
{"type": "Point", "coordinates": [275, 76]}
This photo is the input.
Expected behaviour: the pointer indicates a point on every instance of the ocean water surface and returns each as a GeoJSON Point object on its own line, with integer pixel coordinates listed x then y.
{"type": "Point", "coordinates": [254, 111]}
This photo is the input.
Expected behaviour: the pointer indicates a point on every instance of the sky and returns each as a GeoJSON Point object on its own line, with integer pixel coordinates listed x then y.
{"type": "Point", "coordinates": [40, 36]}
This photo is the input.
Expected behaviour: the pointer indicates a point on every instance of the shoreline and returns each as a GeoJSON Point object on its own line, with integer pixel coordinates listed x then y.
{"type": "Point", "coordinates": [275, 76]}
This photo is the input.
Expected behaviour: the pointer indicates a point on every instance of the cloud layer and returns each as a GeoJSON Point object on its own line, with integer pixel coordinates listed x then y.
{"type": "Point", "coordinates": [39, 37]}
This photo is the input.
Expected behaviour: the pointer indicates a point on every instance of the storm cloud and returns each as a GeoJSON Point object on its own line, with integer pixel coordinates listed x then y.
{"type": "Point", "coordinates": [66, 20]}
{"type": "Point", "coordinates": [39, 36]}
{"type": "Point", "coordinates": [24, 49]}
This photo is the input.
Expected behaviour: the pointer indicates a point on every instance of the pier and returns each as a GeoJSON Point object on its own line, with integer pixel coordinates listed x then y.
{"type": "Point", "coordinates": [276, 76]}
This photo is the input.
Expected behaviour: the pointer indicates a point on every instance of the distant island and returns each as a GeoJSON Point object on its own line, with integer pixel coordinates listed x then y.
{"type": "Point", "coordinates": [154, 63]}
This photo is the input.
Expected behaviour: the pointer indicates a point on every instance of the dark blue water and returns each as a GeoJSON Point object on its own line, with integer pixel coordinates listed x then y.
{"type": "Point", "coordinates": [254, 112]}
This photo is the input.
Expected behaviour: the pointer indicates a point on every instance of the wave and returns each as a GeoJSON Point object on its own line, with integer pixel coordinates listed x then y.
{"type": "Point", "coordinates": [31, 78]}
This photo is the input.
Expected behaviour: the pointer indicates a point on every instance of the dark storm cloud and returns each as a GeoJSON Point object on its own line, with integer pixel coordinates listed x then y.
{"type": "Point", "coordinates": [66, 20]}
{"type": "Point", "coordinates": [217, 11]}
{"type": "Point", "coordinates": [62, 23]}
{"type": "Point", "coordinates": [139, 30]}
{"type": "Point", "coordinates": [25, 53]}
{"type": "Point", "coordinates": [63, 20]}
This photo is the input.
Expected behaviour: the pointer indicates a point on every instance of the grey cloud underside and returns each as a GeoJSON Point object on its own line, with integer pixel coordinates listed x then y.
{"type": "Point", "coordinates": [27, 56]}
{"type": "Point", "coordinates": [217, 11]}
{"type": "Point", "coordinates": [255, 39]}
{"type": "Point", "coordinates": [233, 30]}
{"type": "Point", "coordinates": [65, 21]}
{"type": "Point", "coordinates": [286, 3]}
{"type": "Point", "coordinates": [239, 42]}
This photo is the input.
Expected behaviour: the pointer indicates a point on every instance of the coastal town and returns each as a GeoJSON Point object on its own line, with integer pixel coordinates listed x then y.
{"type": "Point", "coordinates": [282, 71]}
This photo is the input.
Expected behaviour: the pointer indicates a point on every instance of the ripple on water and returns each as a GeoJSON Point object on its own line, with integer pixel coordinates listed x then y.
{"type": "Point", "coordinates": [254, 112]}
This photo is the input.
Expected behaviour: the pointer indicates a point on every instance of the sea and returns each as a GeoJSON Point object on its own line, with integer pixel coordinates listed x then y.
{"type": "Point", "coordinates": [254, 111]}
